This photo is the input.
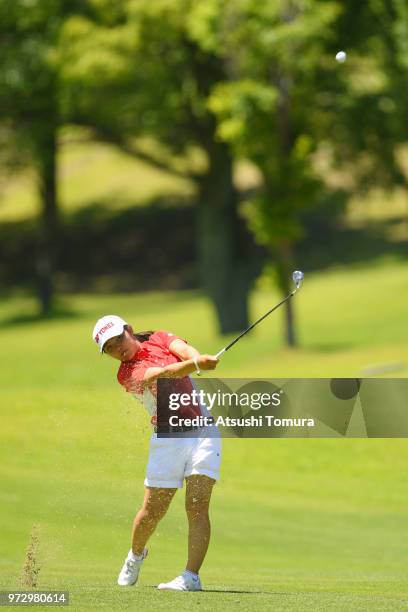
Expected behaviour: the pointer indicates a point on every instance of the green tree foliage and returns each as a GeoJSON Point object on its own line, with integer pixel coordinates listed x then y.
{"type": "Point", "coordinates": [30, 112]}
{"type": "Point", "coordinates": [234, 78]}
{"type": "Point", "coordinates": [288, 100]}
{"type": "Point", "coordinates": [142, 72]}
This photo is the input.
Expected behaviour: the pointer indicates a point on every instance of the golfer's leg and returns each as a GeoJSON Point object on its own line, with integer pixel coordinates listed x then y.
{"type": "Point", "coordinates": [198, 495]}
{"type": "Point", "coordinates": [155, 505]}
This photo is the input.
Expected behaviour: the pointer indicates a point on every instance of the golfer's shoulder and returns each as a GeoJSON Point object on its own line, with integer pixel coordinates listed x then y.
{"type": "Point", "coordinates": [162, 338]}
{"type": "Point", "coordinates": [163, 334]}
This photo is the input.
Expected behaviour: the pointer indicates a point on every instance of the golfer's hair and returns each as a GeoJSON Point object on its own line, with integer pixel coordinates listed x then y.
{"type": "Point", "coordinates": [141, 336]}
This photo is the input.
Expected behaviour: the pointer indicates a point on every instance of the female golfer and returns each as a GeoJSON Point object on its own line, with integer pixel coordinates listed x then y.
{"type": "Point", "coordinates": [144, 358]}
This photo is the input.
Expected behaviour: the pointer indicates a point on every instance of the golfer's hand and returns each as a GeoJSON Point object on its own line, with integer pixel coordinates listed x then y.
{"type": "Point", "coordinates": [207, 362]}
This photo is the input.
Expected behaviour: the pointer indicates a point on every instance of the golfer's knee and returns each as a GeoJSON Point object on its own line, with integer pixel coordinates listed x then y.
{"type": "Point", "coordinates": [196, 508]}
{"type": "Point", "coordinates": [149, 515]}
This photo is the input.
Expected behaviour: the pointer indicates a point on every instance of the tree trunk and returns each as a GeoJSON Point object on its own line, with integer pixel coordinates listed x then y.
{"type": "Point", "coordinates": [226, 264]}
{"type": "Point", "coordinates": [285, 270]}
{"type": "Point", "coordinates": [286, 141]}
{"type": "Point", "coordinates": [48, 238]}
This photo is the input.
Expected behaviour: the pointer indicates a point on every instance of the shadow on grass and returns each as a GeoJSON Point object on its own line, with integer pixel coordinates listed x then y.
{"type": "Point", "coordinates": [235, 591]}
{"type": "Point", "coordinates": [60, 313]}
{"type": "Point", "coordinates": [245, 592]}
{"type": "Point", "coordinates": [338, 245]}
{"type": "Point", "coordinates": [124, 251]}
{"type": "Point", "coordinates": [326, 347]}
{"type": "Point", "coordinates": [149, 247]}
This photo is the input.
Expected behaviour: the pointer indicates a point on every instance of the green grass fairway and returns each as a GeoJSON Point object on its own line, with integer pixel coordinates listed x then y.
{"type": "Point", "coordinates": [297, 524]}
{"type": "Point", "coordinates": [90, 172]}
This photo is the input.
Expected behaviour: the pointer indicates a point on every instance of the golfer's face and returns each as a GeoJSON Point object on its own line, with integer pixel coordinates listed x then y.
{"type": "Point", "coordinates": [121, 347]}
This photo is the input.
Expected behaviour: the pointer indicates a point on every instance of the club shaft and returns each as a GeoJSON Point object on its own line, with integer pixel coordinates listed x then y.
{"type": "Point", "coordinates": [226, 348]}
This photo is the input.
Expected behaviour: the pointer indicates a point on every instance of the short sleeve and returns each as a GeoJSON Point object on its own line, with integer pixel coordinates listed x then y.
{"type": "Point", "coordinates": [165, 338]}
{"type": "Point", "coordinates": [130, 377]}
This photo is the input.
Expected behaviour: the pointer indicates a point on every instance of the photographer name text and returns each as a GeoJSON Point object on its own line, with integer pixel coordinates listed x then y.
{"type": "Point", "coordinates": [268, 420]}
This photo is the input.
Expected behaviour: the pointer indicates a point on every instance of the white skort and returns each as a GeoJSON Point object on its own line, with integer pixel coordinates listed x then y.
{"type": "Point", "coordinates": [172, 459]}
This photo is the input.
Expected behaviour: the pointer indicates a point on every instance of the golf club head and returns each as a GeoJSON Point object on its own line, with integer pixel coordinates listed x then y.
{"type": "Point", "coordinates": [298, 277]}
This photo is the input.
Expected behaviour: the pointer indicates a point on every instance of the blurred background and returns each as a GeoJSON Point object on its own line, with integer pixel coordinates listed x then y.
{"type": "Point", "coordinates": [173, 162]}
{"type": "Point", "coordinates": [176, 146]}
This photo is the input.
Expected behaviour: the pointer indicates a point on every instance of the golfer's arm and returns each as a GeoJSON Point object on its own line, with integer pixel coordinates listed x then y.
{"type": "Point", "coordinates": [174, 370]}
{"type": "Point", "coordinates": [183, 350]}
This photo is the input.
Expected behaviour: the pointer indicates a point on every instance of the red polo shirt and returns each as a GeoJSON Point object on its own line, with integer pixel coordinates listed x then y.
{"type": "Point", "coordinates": [155, 352]}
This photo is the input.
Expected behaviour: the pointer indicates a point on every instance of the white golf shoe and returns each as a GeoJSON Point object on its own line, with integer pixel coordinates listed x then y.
{"type": "Point", "coordinates": [185, 582]}
{"type": "Point", "coordinates": [131, 568]}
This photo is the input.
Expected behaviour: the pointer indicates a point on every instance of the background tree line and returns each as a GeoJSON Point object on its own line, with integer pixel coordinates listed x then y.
{"type": "Point", "coordinates": [232, 80]}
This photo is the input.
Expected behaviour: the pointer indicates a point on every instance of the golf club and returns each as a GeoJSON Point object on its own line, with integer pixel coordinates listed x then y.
{"type": "Point", "coordinates": [297, 278]}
